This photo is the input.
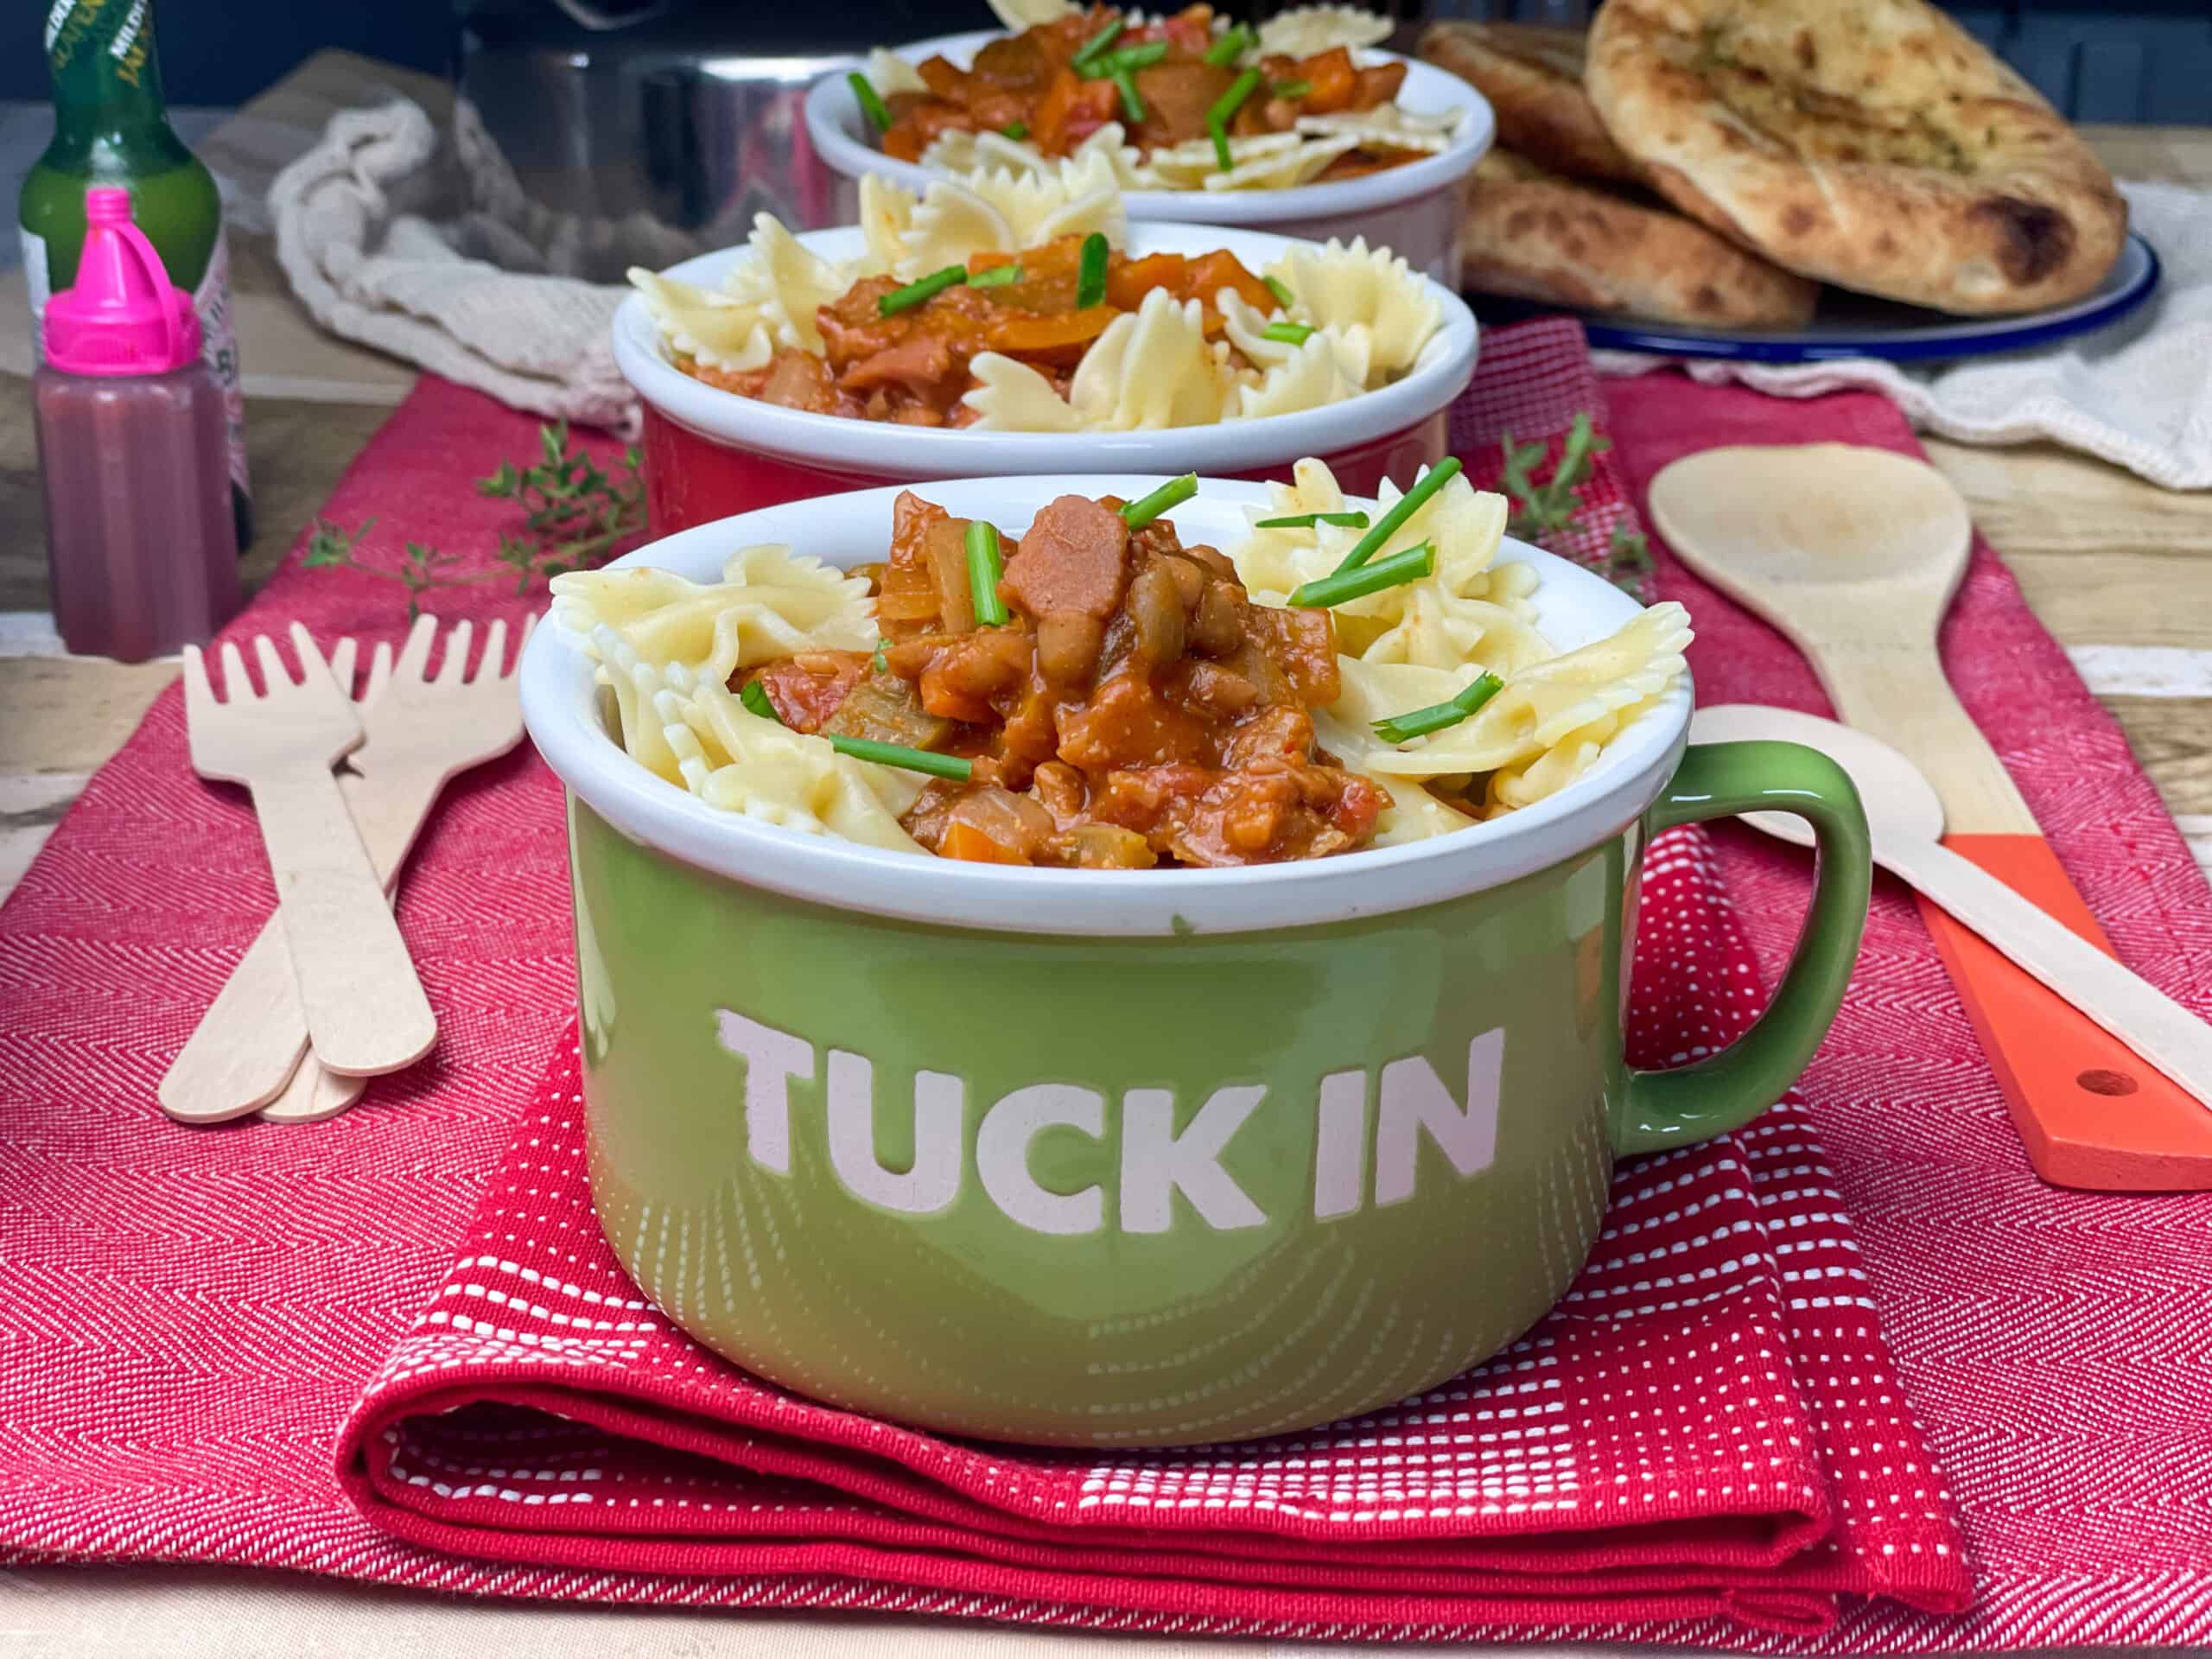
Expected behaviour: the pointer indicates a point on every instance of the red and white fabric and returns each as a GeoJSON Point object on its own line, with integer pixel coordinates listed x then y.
{"type": "Point", "coordinates": [192, 1316]}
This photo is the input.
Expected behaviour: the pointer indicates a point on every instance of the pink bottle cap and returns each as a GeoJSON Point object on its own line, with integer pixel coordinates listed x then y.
{"type": "Point", "coordinates": [123, 316]}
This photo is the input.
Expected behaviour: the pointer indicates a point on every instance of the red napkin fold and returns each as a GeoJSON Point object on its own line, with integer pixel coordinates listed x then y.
{"type": "Point", "coordinates": [1709, 1423]}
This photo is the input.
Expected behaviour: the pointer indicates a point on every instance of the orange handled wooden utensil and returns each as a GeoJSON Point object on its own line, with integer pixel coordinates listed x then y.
{"type": "Point", "coordinates": [1854, 555]}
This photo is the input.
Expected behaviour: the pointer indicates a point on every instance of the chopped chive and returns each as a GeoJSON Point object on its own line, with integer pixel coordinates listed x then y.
{"type": "Point", "coordinates": [984, 569]}
{"type": "Point", "coordinates": [996, 275]}
{"type": "Point", "coordinates": [1291, 88]}
{"type": "Point", "coordinates": [878, 661]}
{"type": "Point", "coordinates": [1098, 43]}
{"type": "Point", "coordinates": [870, 104]}
{"type": "Point", "coordinates": [1016, 129]}
{"type": "Point", "coordinates": [1410, 564]}
{"type": "Point", "coordinates": [1408, 504]}
{"type": "Point", "coordinates": [1091, 272]}
{"type": "Point", "coordinates": [1308, 520]}
{"type": "Point", "coordinates": [1419, 723]}
{"type": "Point", "coordinates": [1230, 47]}
{"type": "Point", "coordinates": [1174, 493]}
{"type": "Point", "coordinates": [897, 754]}
{"type": "Point", "coordinates": [1291, 334]}
{"type": "Point", "coordinates": [1224, 110]}
{"type": "Point", "coordinates": [756, 698]}
{"type": "Point", "coordinates": [1281, 290]}
{"type": "Point", "coordinates": [1132, 100]}
{"type": "Point", "coordinates": [1130, 58]}
{"type": "Point", "coordinates": [905, 299]}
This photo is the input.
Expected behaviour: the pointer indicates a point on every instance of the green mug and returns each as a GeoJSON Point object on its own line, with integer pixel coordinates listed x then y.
{"type": "Point", "coordinates": [1124, 1159]}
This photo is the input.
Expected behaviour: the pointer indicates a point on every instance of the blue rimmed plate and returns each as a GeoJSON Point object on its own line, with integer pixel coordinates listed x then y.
{"type": "Point", "coordinates": [1853, 325]}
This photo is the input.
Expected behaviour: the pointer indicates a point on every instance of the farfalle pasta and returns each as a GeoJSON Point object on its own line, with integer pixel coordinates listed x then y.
{"type": "Point", "coordinates": [1194, 102]}
{"type": "Point", "coordinates": [1006, 301]}
{"type": "Point", "coordinates": [1096, 694]}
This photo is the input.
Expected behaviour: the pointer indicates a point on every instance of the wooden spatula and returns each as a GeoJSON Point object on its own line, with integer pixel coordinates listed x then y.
{"type": "Point", "coordinates": [1854, 555]}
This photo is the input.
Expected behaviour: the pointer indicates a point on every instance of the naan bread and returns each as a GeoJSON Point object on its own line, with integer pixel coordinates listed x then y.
{"type": "Point", "coordinates": [1533, 78]}
{"type": "Point", "coordinates": [1873, 144]}
{"type": "Point", "coordinates": [1536, 236]}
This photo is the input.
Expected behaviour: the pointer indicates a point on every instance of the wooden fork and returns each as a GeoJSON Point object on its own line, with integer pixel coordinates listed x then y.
{"type": "Point", "coordinates": [361, 1003]}
{"type": "Point", "coordinates": [421, 732]}
{"type": "Point", "coordinates": [250, 1051]}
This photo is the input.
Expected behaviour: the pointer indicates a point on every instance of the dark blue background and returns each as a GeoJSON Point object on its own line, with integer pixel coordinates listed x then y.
{"type": "Point", "coordinates": [2131, 60]}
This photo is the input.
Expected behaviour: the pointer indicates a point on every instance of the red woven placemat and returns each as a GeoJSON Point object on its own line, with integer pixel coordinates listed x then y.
{"type": "Point", "coordinates": [193, 1313]}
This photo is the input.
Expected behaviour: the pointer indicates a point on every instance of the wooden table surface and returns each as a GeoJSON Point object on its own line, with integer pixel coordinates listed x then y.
{"type": "Point", "coordinates": [2121, 572]}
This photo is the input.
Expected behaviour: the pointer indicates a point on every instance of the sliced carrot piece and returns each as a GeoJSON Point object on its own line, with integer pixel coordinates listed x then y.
{"type": "Point", "coordinates": [1336, 81]}
{"type": "Point", "coordinates": [966, 841]}
{"type": "Point", "coordinates": [1058, 338]}
{"type": "Point", "coordinates": [1212, 272]}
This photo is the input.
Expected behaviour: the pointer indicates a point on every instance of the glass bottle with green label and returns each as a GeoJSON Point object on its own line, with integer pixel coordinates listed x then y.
{"type": "Point", "coordinates": [111, 127]}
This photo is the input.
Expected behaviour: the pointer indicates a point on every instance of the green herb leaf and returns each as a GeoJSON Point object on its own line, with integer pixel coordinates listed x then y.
{"type": "Point", "coordinates": [755, 697]}
{"type": "Point", "coordinates": [1130, 59]}
{"type": "Point", "coordinates": [1016, 129]}
{"type": "Point", "coordinates": [894, 755]}
{"type": "Point", "coordinates": [1308, 520]}
{"type": "Point", "coordinates": [872, 106]}
{"type": "Point", "coordinates": [1230, 47]}
{"type": "Point", "coordinates": [1408, 564]}
{"type": "Point", "coordinates": [1098, 43]}
{"type": "Point", "coordinates": [1091, 272]}
{"type": "Point", "coordinates": [1146, 508]}
{"type": "Point", "coordinates": [1408, 504]}
{"type": "Point", "coordinates": [916, 293]}
{"type": "Point", "coordinates": [1419, 723]}
{"type": "Point", "coordinates": [1224, 110]}
{"type": "Point", "coordinates": [1541, 509]}
{"type": "Point", "coordinates": [878, 662]}
{"type": "Point", "coordinates": [984, 569]}
{"type": "Point", "coordinates": [1132, 100]}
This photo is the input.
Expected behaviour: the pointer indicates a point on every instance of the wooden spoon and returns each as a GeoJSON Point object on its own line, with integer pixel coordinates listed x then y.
{"type": "Point", "coordinates": [1854, 555]}
{"type": "Point", "coordinates": [1905, 820]}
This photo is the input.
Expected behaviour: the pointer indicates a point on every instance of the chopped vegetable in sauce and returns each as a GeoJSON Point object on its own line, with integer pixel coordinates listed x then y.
{"type": "Point", "coordinates": [901, 353]}
{"type": "Point", "coordinates": [1135, 709]}
{"type": "Point", "coordinates": [1059, 82]}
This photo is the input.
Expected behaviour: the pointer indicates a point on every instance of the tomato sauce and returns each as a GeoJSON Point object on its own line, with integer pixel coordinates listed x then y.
{"type": "Point", "coordinates": [912, 366]}
{"type": "Point", "coordinates": [1136, 709]}
{"type": "Point", "coordinates": [1031, 85]}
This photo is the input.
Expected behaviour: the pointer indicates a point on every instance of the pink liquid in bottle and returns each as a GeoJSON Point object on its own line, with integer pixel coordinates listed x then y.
{"type": "Point", "coordinates": [133, 456]}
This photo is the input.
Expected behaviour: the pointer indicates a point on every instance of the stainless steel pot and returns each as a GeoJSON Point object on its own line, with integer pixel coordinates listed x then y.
{"type": "Point", "coordinates": [608, 133]}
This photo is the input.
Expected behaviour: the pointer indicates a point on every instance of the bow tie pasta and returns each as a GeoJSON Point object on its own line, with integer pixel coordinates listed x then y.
{"type": "Point", "coordinates": [1195, 100]}
{"type": "Point", "coordinates": [1129, 699]}
{"type": "Point", "coordinates": [1004, 299]}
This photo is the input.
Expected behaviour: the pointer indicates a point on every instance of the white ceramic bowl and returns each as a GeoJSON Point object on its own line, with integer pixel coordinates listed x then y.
{"type": "Point", "coordinates": [561, 707]}
{"type": "Point", "coordinates": [709, 453]}
{"type": "Point", "coordinates": [1414, 209]}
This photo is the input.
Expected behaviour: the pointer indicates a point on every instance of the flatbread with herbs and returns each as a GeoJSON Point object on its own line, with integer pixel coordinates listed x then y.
{"type": "Point", "coordinates": [1872, 143]}
{"type": "Point", "coordinates": [1532, 234]}
{"type": "Point", "coordinates": [1533, 79]}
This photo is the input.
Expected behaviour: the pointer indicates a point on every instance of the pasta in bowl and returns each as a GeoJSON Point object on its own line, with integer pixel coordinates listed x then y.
{"type": "Point", "coordinates": [996, 323]}
{"type": "Point", "coordinates": [1107, 1156]}
{"type": "Point", "coordinates": [1302, 126]}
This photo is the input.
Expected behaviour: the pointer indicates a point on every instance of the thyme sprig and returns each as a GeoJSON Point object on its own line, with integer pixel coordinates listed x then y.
{"type": "Point", "coordinates": [1545, 511]}
{"type": "Point", "coordinates": [575, 514]}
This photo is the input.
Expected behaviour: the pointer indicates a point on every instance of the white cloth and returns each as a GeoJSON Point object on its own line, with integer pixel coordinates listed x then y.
{"type": "Point", "coordinates": [2137, 394]}
{"type": "Point", "coordinates": [369, 265]}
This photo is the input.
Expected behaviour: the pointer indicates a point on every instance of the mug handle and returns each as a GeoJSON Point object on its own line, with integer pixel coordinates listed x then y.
{"type": "Point", "coordinates": [1728, 1090]}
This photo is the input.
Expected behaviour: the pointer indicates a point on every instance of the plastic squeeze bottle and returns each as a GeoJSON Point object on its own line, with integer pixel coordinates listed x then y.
{"type": "Point", "coordinates": [110, 127]}
{"type": "Point", "coordinates": [133, 436]}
